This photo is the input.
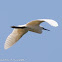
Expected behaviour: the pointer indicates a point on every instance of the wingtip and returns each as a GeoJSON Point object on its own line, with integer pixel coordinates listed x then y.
{"type": "Point", "coordinates": [5, 48]}
{"type": "Point", "coordinates": [56, 24]}
{"type": "Point", "coordinates": [52, 22]}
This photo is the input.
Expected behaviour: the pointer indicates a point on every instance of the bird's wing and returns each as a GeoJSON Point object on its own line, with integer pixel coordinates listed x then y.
{"type": "Point", "coordinates": [14, 37]}
{"type": "Point", "coordinates": [38, 21]}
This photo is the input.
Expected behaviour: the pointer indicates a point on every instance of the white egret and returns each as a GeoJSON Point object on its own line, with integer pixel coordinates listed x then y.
{"type": "Point", "coordinates": [20, 30]}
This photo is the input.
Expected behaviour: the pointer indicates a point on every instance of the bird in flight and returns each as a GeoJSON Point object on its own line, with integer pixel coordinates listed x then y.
{"type": "Point", "coordinates": [20, 30]}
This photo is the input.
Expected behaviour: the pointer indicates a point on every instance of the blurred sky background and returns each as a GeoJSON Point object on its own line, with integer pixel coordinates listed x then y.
{"type": "Point", "coordinates": [33, 47]}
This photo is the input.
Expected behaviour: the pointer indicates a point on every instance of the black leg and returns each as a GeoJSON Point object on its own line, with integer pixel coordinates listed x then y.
{"type": "Point", "coordinates": [46, 29]}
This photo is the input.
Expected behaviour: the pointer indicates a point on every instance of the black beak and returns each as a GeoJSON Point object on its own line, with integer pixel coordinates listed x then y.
{"type": "Point", "coordinates": [18, 27]}
{"type": "Point", "coordinates": [13, 26]}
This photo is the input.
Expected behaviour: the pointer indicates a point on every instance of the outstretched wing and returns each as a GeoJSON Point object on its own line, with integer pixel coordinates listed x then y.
{"type": "Point", "coordinates": [14, 37]}
{"type": "Point", "coordinates": [38, 21]}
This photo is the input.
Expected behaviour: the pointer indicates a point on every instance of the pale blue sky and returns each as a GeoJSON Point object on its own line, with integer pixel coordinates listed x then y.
{"type": "Point", "coordinates": [45, 47]}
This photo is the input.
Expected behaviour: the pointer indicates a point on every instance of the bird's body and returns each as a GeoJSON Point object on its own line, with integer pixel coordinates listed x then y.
{"type": "Point", "coordinates": [36, 29]}
{"type": "Point", "coordinates": [20, 30]}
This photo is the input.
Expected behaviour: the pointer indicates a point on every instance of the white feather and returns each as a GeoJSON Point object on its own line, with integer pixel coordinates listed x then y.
{"type": "Point", "coordinates": [31, 26]}
{"type": "Point", "coordinates": [50, 21]}
{"type": "Point", "coordinates": [14, 37]}
{"type": "Point", "coordinates": [38, 21]}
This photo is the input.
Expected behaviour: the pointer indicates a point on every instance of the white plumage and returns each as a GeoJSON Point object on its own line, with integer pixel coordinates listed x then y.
{"type": "Point", "coordinates": [20, 30]}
